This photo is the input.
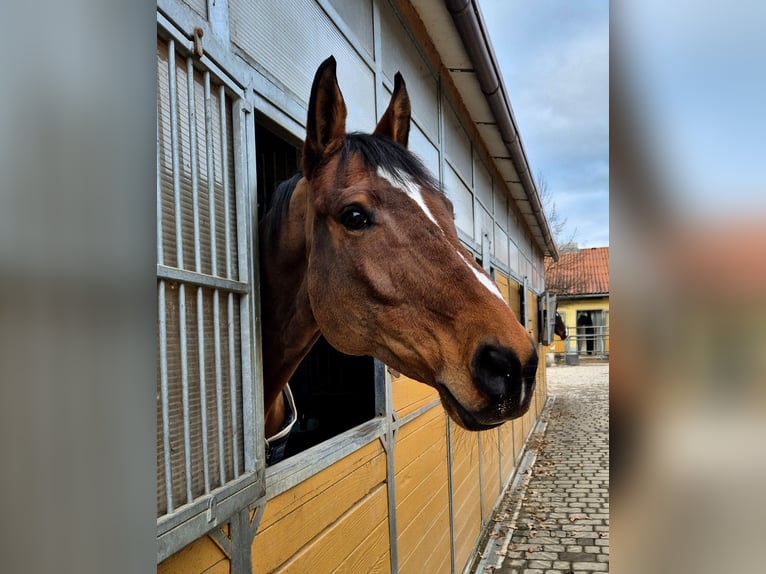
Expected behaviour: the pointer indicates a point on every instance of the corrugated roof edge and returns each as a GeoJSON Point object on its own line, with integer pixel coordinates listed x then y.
{"type": "Point", "coordinates": [470, 25]}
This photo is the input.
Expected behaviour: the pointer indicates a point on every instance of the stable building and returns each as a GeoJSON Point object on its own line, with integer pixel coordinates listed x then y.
{"type": "Point", "coordinates": [378, 477]}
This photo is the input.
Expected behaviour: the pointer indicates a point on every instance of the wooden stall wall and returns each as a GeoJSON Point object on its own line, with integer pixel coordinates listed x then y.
{"type": "Point", "coordinates": [336, 519]}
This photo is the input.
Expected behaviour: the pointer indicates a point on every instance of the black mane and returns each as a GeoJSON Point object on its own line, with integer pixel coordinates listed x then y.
{"type": "Point", "coordinates": [374, 151]}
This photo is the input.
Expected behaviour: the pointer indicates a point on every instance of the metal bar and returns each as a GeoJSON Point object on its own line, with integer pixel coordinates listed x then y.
{"type": "Point", "coordinates": [249, 305]}
{"type": "Point", "coordinates": [164, 399]}
{"type": "Point", "coordinates": [202, 386]}
{"type": "Point", "coordinates": [200, 279]}
{"type": "Point", "coordinates": [210, 174]}
{"type": "Point", "coordinates": [219, 385]}
{"type": "Point", "coordinates": [160, 246]}
{"type": "Point", "coordinates": [198, 269]}
{"type": "Point", "coordinates": [451, 491]}
{"type": "Point", "coordinates": [225, 177]}
{"type": "Point", "coordinates": [174, 151]}
{"type": "Point", "coordinates": [230, 297]}
{"type": "Point", "coordinates": [185, 388]}
{"type": "Point", "coordinates": [233, 387]}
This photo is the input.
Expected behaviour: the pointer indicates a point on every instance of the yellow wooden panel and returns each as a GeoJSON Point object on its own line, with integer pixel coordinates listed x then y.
{"type": "Point", "coordinates": [409, 395]}
{"type": "Point", "coordinates": [515, 296]}
{"type": "Point", "coordinates": [415, 533]}
{"type": "Point", "coordinates": [489, 470]}
{"type": "Point", "coordinates": [426, 505]}
{"type": "Point", "coordinates": [417, 439]}
{"type": "Point", "coordinates": [467, 524]}
{"type": "Point", "coordinates": [508, 457]}
{"type": "Point", "coordinates": [502, 284]}
{"type": "Point", "coordinates": [202, 555]}
{"type": "Point", "coordinates": [425, 549]}
{"type": "Point", "coordinates": [466, 492]}
{"type": "Point", "coordinates": [281, 539]}
{"type": "Point", "coordinates": [328, 550]}
{"type": "Point", "coordinates": [372, 556]}
{"type": "Point", "coordinates": [518, 437]}
{"type": "Point", "coordinates": [288, 501]}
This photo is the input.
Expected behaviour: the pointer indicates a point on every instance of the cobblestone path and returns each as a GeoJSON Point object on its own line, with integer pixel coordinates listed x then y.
{"type": "Point", "coordinates": [559, 512]}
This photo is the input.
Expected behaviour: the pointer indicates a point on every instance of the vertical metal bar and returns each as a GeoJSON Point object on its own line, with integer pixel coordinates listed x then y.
{"type": "Point", "coordinates": [225, 178]}
{"type": "Point", "coordinates": [451, 491]}
{"type": "Point", "coordinates": [164, 399]}
{"type": "Point", "coordinates": [160, 246]}
{"type": "Point", "coordinates": [180, 262]}
{"type": "Point", "coordinates": [174, 151]}
{"type": "Point", "coordinates": [250, 305]}
{"type": "Point", "coordinates": [230, 314]}
{"type": "Point", "coordinates": [185, 388]}
{"type": "Point", "coordinates": [198, 269]}
{"type": "Point", "coordinates": [210, 174]}
{"type": "Point", "coordinates": [214, 264]}
{"type": "Point", "coordinates": [163, 341]}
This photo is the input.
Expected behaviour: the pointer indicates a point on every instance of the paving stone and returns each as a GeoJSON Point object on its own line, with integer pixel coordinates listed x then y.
{"type": "Point", "coordinates": [563, 523]}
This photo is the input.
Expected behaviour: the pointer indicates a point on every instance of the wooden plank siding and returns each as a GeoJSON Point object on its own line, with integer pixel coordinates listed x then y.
{"type": "Point", "coordinates": [325, 505]}
{"type": "Point", "coordinates": [203, 555]}
{"type": "Point", "coordinates": [422, 495]}
{"type": "Point", "coordinates": [490, 471]}
{"type": "Point", "coordinates": [466, 492]}
{"type": "Point", "coordinates": [408, 395]}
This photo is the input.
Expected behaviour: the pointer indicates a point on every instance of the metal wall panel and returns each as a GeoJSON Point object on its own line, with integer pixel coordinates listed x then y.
{"type": "Point", "coordinates": [500, 245]}
{"type": "Point", "coordinates": [199, 6]}
{"type": "Point", "coordinates": [422, 147]}
{"type": "Point", "coordinates": [400, 53]}
{"type": "Point", "coordinates": [457, 146]}
{"type": "Point", "coordinates": [482, 181]}
{"type": "Point", "coordinates": [357, 15]}
{"type": "Point", "coordinates": [290, 39]}
{"type": "Point", "coordinates": [462, 200]}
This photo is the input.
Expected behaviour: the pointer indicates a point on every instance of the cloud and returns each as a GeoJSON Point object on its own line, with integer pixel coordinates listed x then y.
{"type": "Point", "coordinates": [555, 66]}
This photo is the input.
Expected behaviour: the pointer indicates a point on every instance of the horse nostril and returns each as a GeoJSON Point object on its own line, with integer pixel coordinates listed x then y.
{"type": "Point", "coordinates": [496, 370]}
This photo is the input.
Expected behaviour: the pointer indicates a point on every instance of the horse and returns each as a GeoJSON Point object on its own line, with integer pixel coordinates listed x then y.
{"type": "Point", "coordinates": [360, 246]}
{"type": "Point", "coordinates": [559, 328]}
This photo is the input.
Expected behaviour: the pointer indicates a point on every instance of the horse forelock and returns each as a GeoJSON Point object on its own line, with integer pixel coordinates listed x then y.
{"type": "Point", "coordinates": [380, 152]}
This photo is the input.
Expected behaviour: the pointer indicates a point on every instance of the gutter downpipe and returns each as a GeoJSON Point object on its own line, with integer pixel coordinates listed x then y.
{"type": "Point", "coordinates": [467, 18]}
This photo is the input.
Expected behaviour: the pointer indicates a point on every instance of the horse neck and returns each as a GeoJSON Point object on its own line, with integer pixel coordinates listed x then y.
{"type": "Point", "coordinates": [288, 329]}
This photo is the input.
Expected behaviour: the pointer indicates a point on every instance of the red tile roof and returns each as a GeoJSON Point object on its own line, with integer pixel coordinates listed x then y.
{"type": "Point", "coordinates": [581, 272]}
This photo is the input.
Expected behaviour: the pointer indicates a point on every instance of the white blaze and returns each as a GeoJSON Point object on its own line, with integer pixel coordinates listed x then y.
{"type": "Point", "coordinates": [483, 279]}
{"type": "Point", "coordinates": [405, 183]}
{"type": "Point", "coordinates": [411, 188]}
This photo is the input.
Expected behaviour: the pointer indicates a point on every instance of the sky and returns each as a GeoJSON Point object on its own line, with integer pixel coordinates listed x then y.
{"type": "Point", "coordinates": [554, 59]}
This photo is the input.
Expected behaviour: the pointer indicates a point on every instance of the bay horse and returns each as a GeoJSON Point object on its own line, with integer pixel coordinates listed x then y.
{"type": "Point", "coordinates": [361, 247]}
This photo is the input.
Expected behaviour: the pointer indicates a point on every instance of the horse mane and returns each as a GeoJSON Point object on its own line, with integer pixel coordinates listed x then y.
{"type": "Point", "coordinates": [374, 151]}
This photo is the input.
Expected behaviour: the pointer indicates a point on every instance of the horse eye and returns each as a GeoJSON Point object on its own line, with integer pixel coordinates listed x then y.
{"type": "Point", "coordinates": [355, 218]}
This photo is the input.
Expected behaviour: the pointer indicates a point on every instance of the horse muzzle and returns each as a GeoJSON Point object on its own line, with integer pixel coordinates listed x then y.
{"type": "Point", "coordinates": [499, 375]}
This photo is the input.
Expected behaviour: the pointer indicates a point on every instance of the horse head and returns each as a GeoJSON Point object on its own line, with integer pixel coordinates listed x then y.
{"type": "Point", "coordinates": [385, 272]}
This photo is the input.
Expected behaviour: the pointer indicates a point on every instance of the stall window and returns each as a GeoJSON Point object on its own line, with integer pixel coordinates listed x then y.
{"type": "Point", "coordinates": [333, 392]}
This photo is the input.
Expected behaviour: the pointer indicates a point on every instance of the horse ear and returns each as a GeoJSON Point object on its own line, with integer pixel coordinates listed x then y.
{"type": "Point", "coordinates": [395, 123]}
{"type": "Point", "coordinates": [326, 122]}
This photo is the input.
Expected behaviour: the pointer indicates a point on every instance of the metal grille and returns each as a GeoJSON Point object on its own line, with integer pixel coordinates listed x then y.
{"type": "Point", "coordinates": [202, 300]}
